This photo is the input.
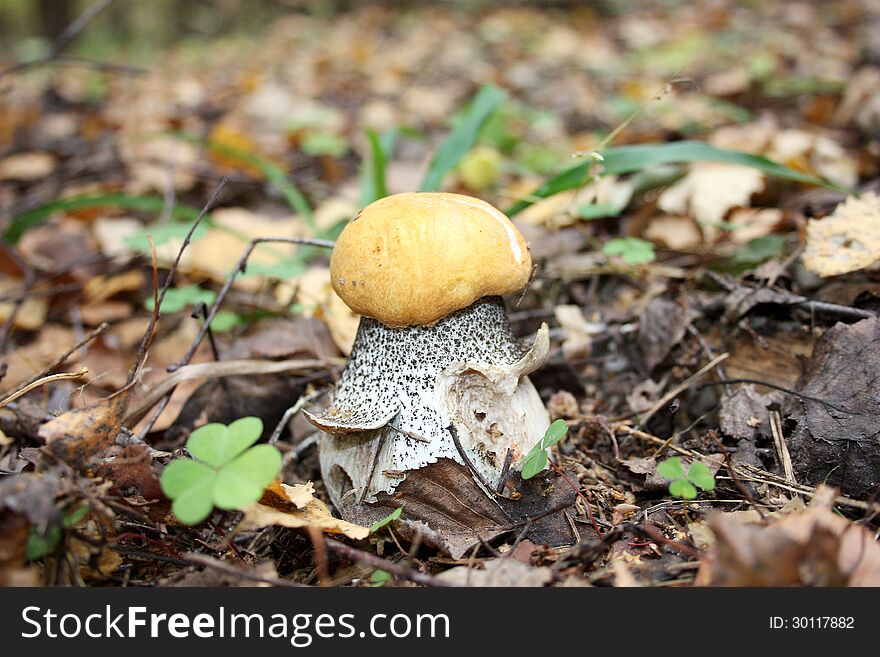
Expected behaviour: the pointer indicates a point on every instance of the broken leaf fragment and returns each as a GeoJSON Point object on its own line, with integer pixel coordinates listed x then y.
{"type": "Point", "coordinates": [846, 240]}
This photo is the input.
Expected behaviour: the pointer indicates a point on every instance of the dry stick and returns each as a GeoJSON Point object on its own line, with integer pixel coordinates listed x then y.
{"type": "Point", "coordinates": [748, 472]}
{"type": "Point", "coordinates": [732, 471]}
{"type": "Point", "coordinates": [214, 370]}
{"type": "Point", "coordinates": [403, 572]}
{"type": "Point", "coordinates": [67, 354]}
{"type": "Point", "coordinates": [40, 382]}
{"type": "Point", "coordinates": [216, 564]}
{"type": "Point", "coordinates": [160, 297]}
{"type": "Point", "coordinates": [576, 489]}
{"type": "Point", "coordinates": [681, 387]}
{"type": "Point", "coordinates": [227, 286]}
{"type": "Point", "coordinates": [781, 447]}
{"type": "Point", "coordinates": [476, 473]}
{"type": "Point", "coordinates": [64, 39]}
{"type": "Point", "coordinates": [787, 391]}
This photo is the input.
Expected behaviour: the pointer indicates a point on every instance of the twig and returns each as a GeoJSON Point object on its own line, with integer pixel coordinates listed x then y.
{"type": "Point", "coordinates": [67, 354]}
{"type": "Point", "coordinates": [403, 572]}
{"type": "Point", "coordinates": [64, 39]}
{"type": "Point", "coordinates": [558, 470]}
{"type": "Point", "coordinates": [681, 387]}
{"type": "Point", "coordinates": [781, 447]}
{"type": "Point", "coordinates": [158, 299]}
{"type": "Point", "coordinates": [227, 286]}
{"type": "Point", "coordinates": [476, 473]}
{"type": "Point", "coordinates": [40, 382]}
{"type": "Point", "coordinates": [220, 566]}
{"type": "Point", "coordinates": [787, 391]}
{"type": "Point", "coordinates": [732, 471]}
{"type": "Point", "coordinates": [214, 370]}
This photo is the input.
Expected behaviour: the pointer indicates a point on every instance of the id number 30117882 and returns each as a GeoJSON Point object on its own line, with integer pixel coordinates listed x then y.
{"type": "Point", "coordinates": [812, 623]}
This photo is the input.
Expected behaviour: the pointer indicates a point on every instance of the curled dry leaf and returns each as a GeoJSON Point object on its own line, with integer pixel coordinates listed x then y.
{"type": "Point", "coordinates": [82, 433]}
{"type": "Point", "coordinates": [847, 240]}
{"type": "Point", "coordinates": [815, 547]}
{"type": "Point", "coordinates": [295, 507]}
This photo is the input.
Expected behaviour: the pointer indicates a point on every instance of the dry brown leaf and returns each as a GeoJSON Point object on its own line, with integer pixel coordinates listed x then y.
{"type": "Point", "coordinates": [27, 166]}
{"type": "Point", "coordinates": [101, 288]}
{"type": "Point", "coordinates": [31, 314]}
{"type": "Point", "coordinates": [314, 514]}
{"type": "Point", "coordinates": [814, 547]}
{"type": "Point", "coordinates": [218, 251]}
{"type": "Point", "coordinates": [748, 224]}
{"type": "Point", "coordinates": [710, 190]}
{"type": "Point", "coordinates": [676, 233]}
{"type": "Point", "coordinates": [846, 240]}
{"type": "Point", "coordinates": [312, 290]}
{"type": "Point", "coordinates": [80, 434]}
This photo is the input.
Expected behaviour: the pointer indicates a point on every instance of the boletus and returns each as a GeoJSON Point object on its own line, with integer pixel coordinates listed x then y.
{"type": "Point", "coordinates": [426, 271]}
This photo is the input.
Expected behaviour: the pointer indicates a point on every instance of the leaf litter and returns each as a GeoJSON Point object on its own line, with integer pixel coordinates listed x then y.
{"type": "Point", "coordinates": [680, 254]}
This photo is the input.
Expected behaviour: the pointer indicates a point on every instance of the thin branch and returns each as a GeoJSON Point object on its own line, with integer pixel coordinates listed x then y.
{"type": "Point", "coordinates": [64, 39]}
{"type": "Point", "coordinates": [227, 286]}
{"type": "Point", "coordinates": [403, 572]}
{"type": "Point", "coordinates": [40, 382]}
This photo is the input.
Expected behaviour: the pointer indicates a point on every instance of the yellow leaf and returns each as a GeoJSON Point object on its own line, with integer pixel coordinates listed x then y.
{"type": "Point", "coordinates": [710, 190]}
{"type": "Point", "coordinates": [314, 514]}
{"type": "Point", "coordinates": [846, 240]}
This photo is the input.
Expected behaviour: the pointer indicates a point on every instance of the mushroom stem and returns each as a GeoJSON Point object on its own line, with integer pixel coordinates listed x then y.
{"type": "Point", "coordinates": [402, 387]}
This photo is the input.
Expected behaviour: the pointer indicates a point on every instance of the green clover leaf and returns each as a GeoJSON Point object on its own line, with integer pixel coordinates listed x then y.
{"type": "Point", "coordinates": [671, 469]}
{"type": "Point", "coordinates": [632, 250]}
{"type": "Point", "coordinates": [700, 475]}
{"type": "Point", "coordinates": [226, 472]}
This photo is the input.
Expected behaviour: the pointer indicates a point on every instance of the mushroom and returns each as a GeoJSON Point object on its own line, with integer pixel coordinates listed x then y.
{"type": "Point", "coordinates": [434, 348]}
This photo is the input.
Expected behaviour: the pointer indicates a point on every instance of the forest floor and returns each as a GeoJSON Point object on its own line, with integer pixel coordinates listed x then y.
{"type": "Point", "coordinates": [705, 306]}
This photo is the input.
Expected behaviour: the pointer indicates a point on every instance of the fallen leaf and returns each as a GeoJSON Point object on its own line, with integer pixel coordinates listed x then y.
{"type": "Point", "coordinates": [79, 435]}
{"type": "Point", "coordinates": [847, 240]}
{"type": "Point", "coordinates": [314, 514]}
{"type": "Point", "coordinates": [815, 547]}
{"type": "Point", "coordinates": [710, 190]}
{"type": "Point", "coordinates": [829, 445]}
{"type": "Point", "coordinates": [498, 572]}
{"type": "Point", "coordinates": [27, 166]}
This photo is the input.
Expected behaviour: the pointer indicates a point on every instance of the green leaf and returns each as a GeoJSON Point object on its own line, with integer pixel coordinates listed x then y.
{"type": "Point", "coordinates": [285, 269]}
{"type": "Point", "coordinates": [324, 143]}
{"type": "Point", "coordinates": [628, 159]}
{"type": "Point", "coordinates": [380, 578]}
{"type": "Point", "coordinates": [216, 444]}
{"type": "Point", "coordinates": [751, 254]}
{"type": "Point", "coordinates": [160, 234]}
{"type": "Point", "coordinates": [224, 321]}
{"type": "Point", "coordinates": [534, 462]}
{"type": "Point", "coordinates": [41, 544]}
{"type": "Point", "coordinates": [373, 168]}
{"type": "Point", "coordinates": [391, 517]}
{"type": "Point", "coordinates": [243, 481]}
{"type": "Point", "coordinates": [683, 489]}
{"type": "Point", "coordinates": [272, 172]}
{"type": "Point", "coordinates": [177, 299]}
{"type": "Point", "coordinates": [190, 484]}
{"type": "Point", "coordinates": [671, 469]}
{"type": "Point", "coordinates": [21, 223]}
{"type": "Point", "coordinates": [632, 250]}
{"type": "Point", "coordinates": [181, 474]}
{"type": "Point", "coordinates": [463, 136]}
{"type": "Point", "coordinates": [700, 475]}
{"type": "Point", "coordinates": [555, 432]}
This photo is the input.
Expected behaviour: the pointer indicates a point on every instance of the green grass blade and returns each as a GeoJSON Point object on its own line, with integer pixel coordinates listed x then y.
{"type": "Point", "coordinates": [21, 223]}
{"type": "Point", "coordinates": [627, 159]}
{"type": "Point", "coordinates": [463, 136]}
{"type": "Point", "coordinates": [274, 174]}
{"type": "Point", "coordinates": [373, 185]}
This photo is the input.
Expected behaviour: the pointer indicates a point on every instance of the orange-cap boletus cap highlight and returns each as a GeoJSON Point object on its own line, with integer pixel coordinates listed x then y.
{"type": "Point", "coordinates": [411, 259]}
